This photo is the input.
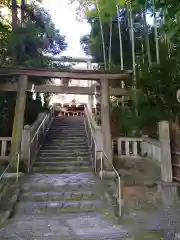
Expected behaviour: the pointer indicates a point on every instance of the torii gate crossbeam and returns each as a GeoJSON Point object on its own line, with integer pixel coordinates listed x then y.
{"type": "Point", "coordinates": [22, 86]}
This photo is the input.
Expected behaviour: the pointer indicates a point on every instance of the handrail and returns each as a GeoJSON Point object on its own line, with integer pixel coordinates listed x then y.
{"type": "Point", "coordinates": [119, 181]}
{"type": "Point", "coordinates": [40, 126]}
{"type": "Point", "coordinates": [17, 168]}
{"type": "Point", "coordinates": [36, 136]}
{"type": "Point", "coordinates": [37, 131]}
{"type": "Point", "coordinates": [102, 156]}
{"type": "Point", "coordinates": [90, 125]}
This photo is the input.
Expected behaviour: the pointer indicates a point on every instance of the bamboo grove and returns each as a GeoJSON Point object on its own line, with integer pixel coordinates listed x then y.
{"type": "Point", "coordinates": [142, 35]}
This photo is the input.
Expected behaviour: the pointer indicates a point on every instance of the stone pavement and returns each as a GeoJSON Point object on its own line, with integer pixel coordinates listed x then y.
{"type": "Point", "coordinates": [62, 199]}
{"type": "Point", "coordinates": [62, 206]}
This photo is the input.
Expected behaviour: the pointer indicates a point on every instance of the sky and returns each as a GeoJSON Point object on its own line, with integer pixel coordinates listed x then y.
{"type": "Point", "coordinates": [64, 17]}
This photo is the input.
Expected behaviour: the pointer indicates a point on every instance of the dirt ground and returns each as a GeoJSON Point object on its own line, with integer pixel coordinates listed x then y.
{"type": "Point", "coordinates": [142, 211]}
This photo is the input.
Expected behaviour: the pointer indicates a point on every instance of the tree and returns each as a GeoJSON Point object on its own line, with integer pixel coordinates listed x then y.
{"type": "Point", "coordinates": [34, 40]}
{"type": "Point", "coordinates": [155, 55]}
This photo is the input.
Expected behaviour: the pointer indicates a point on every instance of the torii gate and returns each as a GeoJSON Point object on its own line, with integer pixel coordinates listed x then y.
{"type": "Point", "coordinates": [22, 86]}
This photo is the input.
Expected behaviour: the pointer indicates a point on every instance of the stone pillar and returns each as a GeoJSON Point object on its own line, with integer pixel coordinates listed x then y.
{"type": "Point", "coordinates": [166, 165]}
{"type": "Point", "coordinates": [18, 122]}
{"type": "Point", "coordinates": [26, 138]}
{"type": "Point", "coordinates": [97, 96]}
{"type": "Point", "coordinates": [90, 97]}
{"type": "Point", "coordinates": [105, 121]}
{"type": "Point", "coordinates": [167, 189]}
{"type": "Point", "coordinates": [122, 86]}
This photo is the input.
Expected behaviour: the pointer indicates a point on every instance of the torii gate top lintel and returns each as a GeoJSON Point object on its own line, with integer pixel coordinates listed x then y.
{"type": "Point", "coordinates": [65, 73]}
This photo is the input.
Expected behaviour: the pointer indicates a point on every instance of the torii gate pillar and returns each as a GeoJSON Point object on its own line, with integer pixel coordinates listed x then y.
{"type": "Point", "coordinates": [90, 98]}
{"type": "Point", "coordinates": [105, 121]}
{"type": "Point", "coordinates": [18, 122]}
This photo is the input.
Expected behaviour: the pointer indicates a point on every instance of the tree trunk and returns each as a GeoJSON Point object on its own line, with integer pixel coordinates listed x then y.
{"type": "Point", "coordinates": [14, 27]}
{"type": "Point", "coordinates": [146, 35]}
{"type": "Point", "coordinates": [102, 36]}
{"type": "Point", "coordinates": [133, 53]}
{"type": "Point", "coordinates": [120, 48]}
{"type": "Point", "coordinates": [110, 43]}
{"type": "Point", "coordinates": [156, 33]}
{"type": "Point", "coordinates": [22, 12]}
{"type": "Point", "coordinates": [120, 38]}
{"type": "Point", "coordinates": [132, 43]}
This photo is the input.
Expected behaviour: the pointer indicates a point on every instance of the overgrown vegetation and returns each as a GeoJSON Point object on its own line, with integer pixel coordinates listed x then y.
{"type": "Point", "coordinates": [26, 41]}
{"type": "Point", "coordinates": [122, 38]}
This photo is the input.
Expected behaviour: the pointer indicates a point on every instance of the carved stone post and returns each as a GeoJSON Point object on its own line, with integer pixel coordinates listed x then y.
{"type": "Point", "coordinates": [105, 120]}
{"type": "Point", "coordinates": [18, 122]}
{"type": "Point", "coordinates": [26, 138]}
{"type": "Point", "coordinates": [167, 189]}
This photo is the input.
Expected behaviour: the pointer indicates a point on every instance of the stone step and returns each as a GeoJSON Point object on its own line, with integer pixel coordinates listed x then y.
{"type": "Point", "coordinates": [59, 125]}
{"type": "Point", "coordinates": [67, 140]}
{"type": "Point", "coordinates": [65, 137]}
{"type": "Point", "coordinates": [77, 181]}
{"type": "Point", "coordinates": [68, 169]}
{"type": "Point", "coordinates": [70, 144]}
{"type": "Point", "coordinates": [64, 158]}
{"type": "Point", "coordinates": [69, 131]}
{"type": "Point", "coordinates": [58, 196]}
{"type": "Point", "coordinates": [64, 150]}
{"type": "Point", "coordinates": [57, 134]}
{"type": "Point", "coordinates": [42, 187]}
{"type": "Point", "coordinates": [69, 147]}
{"type": "Point", "coordinates": [30, 208]}
{"type": "Point", "coordinates": [61, 163]}
{"type": "Point", "coordinates": [67, 153]}
{"type": "Point", "coordinates": [76, 226]}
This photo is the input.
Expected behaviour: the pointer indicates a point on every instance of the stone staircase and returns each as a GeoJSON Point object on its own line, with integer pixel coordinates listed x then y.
{"type": "Point", "coordinates": [62, 199]}
{"type": "Point", "coordinates": [65, 148]}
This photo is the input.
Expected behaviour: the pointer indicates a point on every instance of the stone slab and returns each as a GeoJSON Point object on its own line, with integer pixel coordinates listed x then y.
{"type": "Point", "coordinates": [13, 175]}
{"type": "Point", "coordinates": [95, 226]}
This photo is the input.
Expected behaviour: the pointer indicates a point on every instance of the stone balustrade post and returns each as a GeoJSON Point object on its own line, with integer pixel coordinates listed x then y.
{"type": "Point", "coordinates": [167, 189]}
{"type": "Point", "coordinates": [26, 138]}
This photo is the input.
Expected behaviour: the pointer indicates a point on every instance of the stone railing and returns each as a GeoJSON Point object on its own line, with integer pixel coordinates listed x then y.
{"type": "Point", "coordinates": [151, 149]}
{"type": "Point", "coordinates": [27, 135]}
{"type": "Point", "coordinates": [129, 146]}
{"type": "Point", "coordinates": [97, 132]}
{"type": "Point", "coordinates": [5, 146]}
{"type": "Point", "coordinates": [32, 137]}
{"type": "Point", "coordinates": [144, 147]}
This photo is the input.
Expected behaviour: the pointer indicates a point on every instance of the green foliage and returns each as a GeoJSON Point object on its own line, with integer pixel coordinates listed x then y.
{"type": "Point", "coordinates": [157, 84]}
{"type": "Point", "coordinates": [33, 43]}
{"type": "Point", "coordinates": [33, 108]}
{"type": "Point", "coordinates": [92, 43]}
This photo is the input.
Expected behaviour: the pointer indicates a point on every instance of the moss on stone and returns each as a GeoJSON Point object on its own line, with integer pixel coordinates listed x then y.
{"type": "Point", "coordinates": [150, 236]}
